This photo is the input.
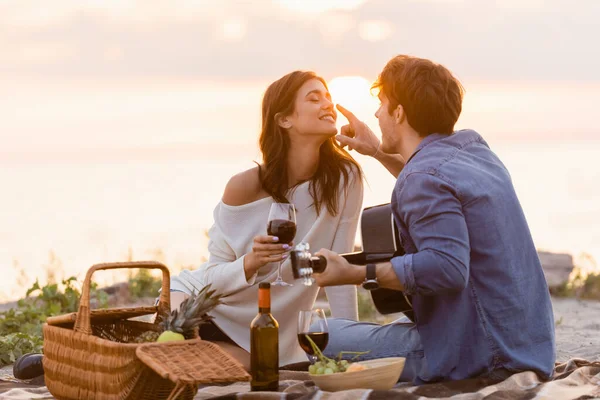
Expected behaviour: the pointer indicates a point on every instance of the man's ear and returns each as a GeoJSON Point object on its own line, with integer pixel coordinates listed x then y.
{"type": "Point", "coordinates": [399, 114]}
{"type": "Point", "coordinates": [283, 121]}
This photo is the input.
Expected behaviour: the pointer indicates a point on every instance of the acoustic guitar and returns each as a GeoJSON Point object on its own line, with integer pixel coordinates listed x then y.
{"type": "Point", "coordinates": [381, 243]}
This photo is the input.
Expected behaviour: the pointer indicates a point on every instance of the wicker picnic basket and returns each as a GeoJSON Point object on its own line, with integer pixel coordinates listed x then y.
{"type": "Point", "coordinates": [91, 354]}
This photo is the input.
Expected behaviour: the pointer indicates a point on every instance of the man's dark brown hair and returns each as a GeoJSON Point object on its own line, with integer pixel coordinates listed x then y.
{"type": "Point", "coordinates": [430, 95]}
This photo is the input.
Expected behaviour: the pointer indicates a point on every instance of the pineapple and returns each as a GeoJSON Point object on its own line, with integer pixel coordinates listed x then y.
{"type": "Point", "coordinates": [181, 323]}
{"type": "Point", "coordinates": [148, 336]}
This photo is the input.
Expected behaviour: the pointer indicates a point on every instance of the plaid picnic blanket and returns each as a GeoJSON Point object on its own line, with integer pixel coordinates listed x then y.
{"type": "Point", "coordinates": [574, 379]}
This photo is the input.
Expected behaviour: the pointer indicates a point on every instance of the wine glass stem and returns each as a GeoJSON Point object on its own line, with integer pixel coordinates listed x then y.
{"type": "Point", "coordinates": [279, 271]}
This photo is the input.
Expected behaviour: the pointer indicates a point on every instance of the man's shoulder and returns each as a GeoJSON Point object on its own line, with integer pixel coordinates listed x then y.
{"type": "Point", "coordinates": [440, 151]}
{"type": "Point", "coordinates": [432, 158]}
{"type": "Point", "coordinates": [418, 168]}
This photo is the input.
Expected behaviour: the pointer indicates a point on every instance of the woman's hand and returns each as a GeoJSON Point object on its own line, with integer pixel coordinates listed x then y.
{"type": "Point", "coordinates": [265, 249]}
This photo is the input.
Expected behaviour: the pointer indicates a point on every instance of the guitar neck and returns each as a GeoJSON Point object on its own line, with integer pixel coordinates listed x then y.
{"type": "Point", "coordinates": [362, 258]}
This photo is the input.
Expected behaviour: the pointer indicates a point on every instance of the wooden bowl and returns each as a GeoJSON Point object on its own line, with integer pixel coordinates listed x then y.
{"type": "Point", "coordinates": [381, 374]}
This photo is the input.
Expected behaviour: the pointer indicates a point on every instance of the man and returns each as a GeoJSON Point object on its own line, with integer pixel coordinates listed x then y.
{"type": "Point", "coordinates": [480, 299]}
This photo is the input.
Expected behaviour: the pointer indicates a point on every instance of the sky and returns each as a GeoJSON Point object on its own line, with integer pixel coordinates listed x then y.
{"type": "Point", "coordinates": [123, 74]}
{"type": "Point", "coordinates": [533, 40]}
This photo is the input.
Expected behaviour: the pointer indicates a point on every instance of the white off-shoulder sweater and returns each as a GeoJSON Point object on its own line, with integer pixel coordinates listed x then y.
{"type": "Point", "coordinates": [231, 238]}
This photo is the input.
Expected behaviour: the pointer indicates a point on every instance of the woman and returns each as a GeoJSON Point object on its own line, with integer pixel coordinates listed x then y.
{"type": "Point", "coordinates": [303, 165]}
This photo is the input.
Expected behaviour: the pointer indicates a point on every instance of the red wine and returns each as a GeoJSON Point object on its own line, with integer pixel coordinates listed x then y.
{"type": "Point", "coordinates": [282, 228]}
{"type": "Point", "coordinates": [320, 338]}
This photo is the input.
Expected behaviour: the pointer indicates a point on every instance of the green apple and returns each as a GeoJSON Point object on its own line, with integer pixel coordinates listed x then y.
{"type": "Point", "coordinates": [170, 336]}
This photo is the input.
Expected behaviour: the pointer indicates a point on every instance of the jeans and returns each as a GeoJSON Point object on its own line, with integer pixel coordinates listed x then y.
{"type": "Point", "coordinates": [396, 339]}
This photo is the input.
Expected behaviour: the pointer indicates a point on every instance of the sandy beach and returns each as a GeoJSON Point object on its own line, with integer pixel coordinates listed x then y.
{"type": "Point", "coordinates": [577, 329]}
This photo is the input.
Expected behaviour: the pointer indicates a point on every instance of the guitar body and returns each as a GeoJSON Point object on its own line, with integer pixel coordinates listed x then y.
{"type": "Point", "coordinates": [389, 301]}
{"type": "Point", "coordinates": [381, 242]}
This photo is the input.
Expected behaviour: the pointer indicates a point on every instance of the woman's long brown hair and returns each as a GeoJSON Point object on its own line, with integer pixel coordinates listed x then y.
{"type": "Point", "coordinates": [334, 162]}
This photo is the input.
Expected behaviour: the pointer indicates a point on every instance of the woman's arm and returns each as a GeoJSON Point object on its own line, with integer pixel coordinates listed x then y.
{"type": "Point", "coordinates": [343, 299]}
{"type": "Point", "coordinates": [225, 271]}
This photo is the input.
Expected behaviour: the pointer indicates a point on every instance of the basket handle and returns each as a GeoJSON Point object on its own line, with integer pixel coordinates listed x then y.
{"type": "Point", "coordinates": [83, 322]}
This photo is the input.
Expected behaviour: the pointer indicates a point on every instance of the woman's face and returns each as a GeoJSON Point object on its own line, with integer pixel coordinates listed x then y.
{"type": "Point", "coordinates": [314, 113]}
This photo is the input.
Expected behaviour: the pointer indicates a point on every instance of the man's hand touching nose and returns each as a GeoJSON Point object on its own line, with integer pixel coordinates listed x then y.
{"type": "Point", "coordinates": [357, 135]}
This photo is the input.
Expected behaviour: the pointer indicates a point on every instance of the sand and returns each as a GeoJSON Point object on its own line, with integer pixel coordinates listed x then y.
{"type": "Point", "coordinates": [577, 325]}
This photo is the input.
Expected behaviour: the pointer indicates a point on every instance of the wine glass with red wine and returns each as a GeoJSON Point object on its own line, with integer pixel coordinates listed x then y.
{"type": "Point", "coordinates": [282, 223]}
{"type": "Point", "coordinates": [314, 325]}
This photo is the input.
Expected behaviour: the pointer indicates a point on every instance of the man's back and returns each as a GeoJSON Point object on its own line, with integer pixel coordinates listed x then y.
{"type": "Point", "coordinates": [479, 293]}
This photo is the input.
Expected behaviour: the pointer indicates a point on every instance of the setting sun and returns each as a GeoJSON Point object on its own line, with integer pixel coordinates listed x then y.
{"type": "Point", "coordinates": [354, 93]}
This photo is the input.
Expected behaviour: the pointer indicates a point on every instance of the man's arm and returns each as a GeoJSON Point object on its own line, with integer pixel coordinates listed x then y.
{"type": "Point", "coordinates": [430, 208]}
{"type": "Point", "coordinates": [341, 272]}
{"type": "Point", "coordinates": [386, 275]}
{"type": "Point", "coordinates": [392, 162]}
{"type": "Point", "coordinates": [438, 228]}
{"type": "Point", "coordinates": [358, 136]}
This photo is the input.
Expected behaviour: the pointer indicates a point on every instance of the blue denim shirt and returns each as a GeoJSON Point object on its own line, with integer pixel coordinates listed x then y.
{"type": "Point", "coordinates": [480, 298]}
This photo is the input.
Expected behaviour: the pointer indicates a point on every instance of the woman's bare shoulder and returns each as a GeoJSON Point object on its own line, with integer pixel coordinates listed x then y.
{"type": "Point", "coordinates": [244, 188]}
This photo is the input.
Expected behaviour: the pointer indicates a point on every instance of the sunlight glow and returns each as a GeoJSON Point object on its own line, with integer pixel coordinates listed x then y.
{"type": "Point", "coordinates": [46, 53]}
{"type": "Point", "coordinates": [113, 53]}
{"type": "Point", "coordinates": [375, 30]}
{"type": "Point", "coordinates": [233, 29]}
{"type": "Point", "coordinates": [520, 5]}
{"type": "Point", "coordinates": [354, 93]}
{"type": "Point", "coordinates": [334, 27]}
{"type": "Point", "coordinates": [320, 6]}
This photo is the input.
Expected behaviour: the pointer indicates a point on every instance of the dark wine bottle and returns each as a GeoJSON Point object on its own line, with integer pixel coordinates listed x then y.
{"type": "Point", "coordinates": [264, 344]}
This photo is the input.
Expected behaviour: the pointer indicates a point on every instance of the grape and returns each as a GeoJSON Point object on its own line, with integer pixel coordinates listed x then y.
{"type": "Point", "coordinates": [328, 366]}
